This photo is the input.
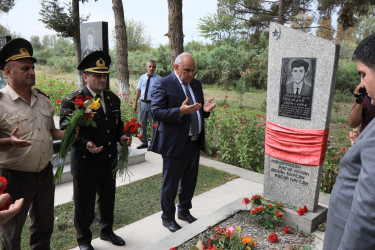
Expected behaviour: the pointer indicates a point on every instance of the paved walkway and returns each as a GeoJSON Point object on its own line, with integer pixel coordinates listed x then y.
{"type": "Point", "coordinates": [148, 231]}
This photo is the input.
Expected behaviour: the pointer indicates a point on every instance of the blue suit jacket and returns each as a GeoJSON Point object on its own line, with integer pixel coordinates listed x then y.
{"type": "Point", "coordinates": [351, 212]}
{"type": "Point", "coordinates": [173, 130]}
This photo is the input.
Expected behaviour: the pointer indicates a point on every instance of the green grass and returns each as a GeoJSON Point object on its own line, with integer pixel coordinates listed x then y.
{"type": "Point", "coordinates": [134, 201]}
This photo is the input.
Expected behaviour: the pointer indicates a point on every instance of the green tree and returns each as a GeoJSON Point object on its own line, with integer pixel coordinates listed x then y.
{"type": "Point", "coordinates": [6, 5]}
{"type": "Point", "coordinates": [65, 20]}
{"type": "Point", "coordinates": [221, 27]}
{"type": "Point", "coordinates": [35, 41]}
{"type": "Point", "coordinates": [4, 31]}
{"type": "Point", "coordinates": [366, 24]}
{"type": "Point", "coordinates": [350, 10]}
{"type": "Point", "coordinates": [138, 38]}
{"type": "Point", "coordinates": [325, 29]}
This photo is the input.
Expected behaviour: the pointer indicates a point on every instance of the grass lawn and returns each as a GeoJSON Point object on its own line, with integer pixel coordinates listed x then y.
{"type": "Point", "coordinates": [134, 201]}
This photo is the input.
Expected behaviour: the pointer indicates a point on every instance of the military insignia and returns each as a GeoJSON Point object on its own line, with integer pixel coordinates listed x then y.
{"type": "Point", "coordinates": [71, 96]}
{"type": "Point", "coordinates": [41, 92]}
{"type": "Point", "coordinates": [100, 63]}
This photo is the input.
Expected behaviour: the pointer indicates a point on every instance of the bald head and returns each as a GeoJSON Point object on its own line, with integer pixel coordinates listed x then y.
{"type": "Point", "coordinates": [184, 67]}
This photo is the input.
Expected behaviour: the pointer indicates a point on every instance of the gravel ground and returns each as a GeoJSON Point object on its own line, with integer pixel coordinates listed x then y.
{"type": "Point", "coordinates": [254, 227]}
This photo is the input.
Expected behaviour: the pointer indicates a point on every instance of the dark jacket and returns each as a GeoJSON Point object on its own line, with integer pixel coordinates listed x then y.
{"type": "Point", "coordinates": [108, 131]}
{"type": "Point", "coordinates": [172, 133]}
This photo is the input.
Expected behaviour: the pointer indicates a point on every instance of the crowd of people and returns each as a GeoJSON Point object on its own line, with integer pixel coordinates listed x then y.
{"type": "Point", "coordinates": [27, 131]}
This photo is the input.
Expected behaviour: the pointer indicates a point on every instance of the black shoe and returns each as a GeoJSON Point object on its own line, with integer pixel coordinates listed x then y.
{"type": "Point", "coordinates": [187, 217]}
{"type": "Point", "coordinates": [149, 148]}
{"type": "Point", "coordinates": [86, 247]}
{"type": "Point", "coordinates": [113, 238]}
{"type": "Point", "coordinates": [143, 145]}
{"type": "Point", "coordinates": [171, 224]}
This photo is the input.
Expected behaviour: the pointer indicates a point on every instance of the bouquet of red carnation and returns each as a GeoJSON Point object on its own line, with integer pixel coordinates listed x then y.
{"type": "Point", "coordinates": [130, 128]}
{"type": "Point", "coordinates": [3, 187]}
{"type": "Point", "coordinates": [82, 116]}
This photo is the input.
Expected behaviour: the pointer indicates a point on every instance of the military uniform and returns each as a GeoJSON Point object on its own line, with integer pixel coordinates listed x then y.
{"type": "Point", "coordinates": [27, 169]}
{"type": "Point", "coordinates": [92, 172]}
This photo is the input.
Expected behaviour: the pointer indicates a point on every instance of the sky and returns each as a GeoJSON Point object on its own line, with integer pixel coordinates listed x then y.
{"type": "Point", "coordinates": [153, 14]}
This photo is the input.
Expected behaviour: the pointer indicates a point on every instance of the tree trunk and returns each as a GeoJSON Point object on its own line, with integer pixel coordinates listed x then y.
{"type": "Point", "coordinates": [122, 48]}
{"type": "Point", "coordinates": [77, 39]}
{"type": "Point", "coordinates": [281, 19]}
{"type": "Point", "coordinates": [175, 32]}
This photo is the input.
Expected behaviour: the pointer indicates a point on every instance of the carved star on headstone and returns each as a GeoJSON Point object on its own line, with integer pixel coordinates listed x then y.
{"type": "Point", "coordinates": [276, 34]}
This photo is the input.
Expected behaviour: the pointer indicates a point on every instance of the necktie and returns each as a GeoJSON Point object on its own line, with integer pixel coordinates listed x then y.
{"type": "Point", "coordinates": [147, 85]}
{"type": "Point", "coordinates": [297, 92]}
{"type": "Point", "coordinates": [194, 126]}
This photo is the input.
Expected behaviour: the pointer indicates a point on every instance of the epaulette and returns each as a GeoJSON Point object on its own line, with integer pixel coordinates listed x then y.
{"type": "Point", "coordinates": [72, 95]}
{"type": "Point", "coordinates": [41, 92]}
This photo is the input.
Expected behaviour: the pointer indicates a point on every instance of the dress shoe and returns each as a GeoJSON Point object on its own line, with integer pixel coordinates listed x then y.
{"type": "Point", "coordinates": [113, 238]}
{"type": "Point", "coordinates": [86, 247]}
{"type": "Point", "coordinates": [149, 148]}
{"type": "Point", "coordinates": [171, 224]}
{"type": "Point", "coordinates": [143, 145]}
{"type": "Point", "coordinates": [187, 217]}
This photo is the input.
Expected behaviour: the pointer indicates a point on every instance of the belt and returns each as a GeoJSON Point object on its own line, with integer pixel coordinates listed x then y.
{"type": "Point", "coordinates": [147, 101]}
{"type": "Point", "coordinates": [193, 137]}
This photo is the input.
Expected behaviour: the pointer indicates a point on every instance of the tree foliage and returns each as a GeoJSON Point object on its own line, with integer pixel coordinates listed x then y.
{"type": "Point", "coordinates": [366, 24]}
{"type": "Point", "coordinates": [222, 26]}
{"type": "Point", "coordinates": [325, 29]}
{"type": "Point", "coordinates": [59, 18]}
{"type": "Point", "coordinates": [6, 5]}
{"type": "Point", "coordinates": [349, 10]}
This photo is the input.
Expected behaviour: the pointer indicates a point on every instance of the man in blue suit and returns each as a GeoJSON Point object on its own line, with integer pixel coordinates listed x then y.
{"type": "Point", "coordinates": [351, 212]}
{"type": "Point", "coordinates": [177, 103]}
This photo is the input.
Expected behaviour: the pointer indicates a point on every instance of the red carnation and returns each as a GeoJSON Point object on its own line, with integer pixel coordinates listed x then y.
{"type": "Point", "coordinates": [7, 204]}
{"type": "Point", "coordinates": [3, 184]}
{"type": "Point", "coordinates": [253, 210]}
{"type": "Point", "coordinates": [58, 101]}
{"type": "Point", "coordinates": [279, 214]}
{"type": "Point", "coordinates": [286, 229]}
{"type": "Point", "coordinates": [259, 208]}
{"type": "Point", "coordinates": [246, 201]}
{"type": "Point", "coordinates": [304, 209]}
{"type": "Point", "coordinates": [300, 211]}
{"type": "Point", "coordinates": [272, 238]}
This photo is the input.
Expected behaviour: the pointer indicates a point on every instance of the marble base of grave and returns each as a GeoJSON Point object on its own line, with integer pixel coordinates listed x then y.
{"type": "Point", "coordinates": [292, 184]}
{"type": "Point", "coordinates": [306, 223]}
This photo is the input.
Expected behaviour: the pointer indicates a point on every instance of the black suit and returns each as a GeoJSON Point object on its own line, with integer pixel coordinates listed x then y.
{"type": "Point", "coordinates": [172, 141]}
{"type": "Point", "coordinates": [92, 173]}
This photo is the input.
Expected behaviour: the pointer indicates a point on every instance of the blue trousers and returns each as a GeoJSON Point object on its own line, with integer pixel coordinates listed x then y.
{"type": "Point", "coordinates": [144, 115]}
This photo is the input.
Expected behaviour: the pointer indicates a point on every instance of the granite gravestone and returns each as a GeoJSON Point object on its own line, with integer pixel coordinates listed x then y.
{"type": "Point", "coordinates": [301, 84]}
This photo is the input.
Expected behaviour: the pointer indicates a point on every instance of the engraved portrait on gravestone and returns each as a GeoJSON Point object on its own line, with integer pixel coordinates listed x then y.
{"type": "Point", "coordinates": [297, 87]}
{"type": "Point", "coordinates": [90, 41]}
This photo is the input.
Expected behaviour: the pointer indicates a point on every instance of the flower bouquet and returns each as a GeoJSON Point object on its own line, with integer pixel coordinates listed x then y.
{"type": "Point", "coordinates": [130, 128]}
{"type": "Point", "coordinates": [82, 116]}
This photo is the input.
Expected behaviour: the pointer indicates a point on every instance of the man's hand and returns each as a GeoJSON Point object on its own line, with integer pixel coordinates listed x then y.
{"type": "Point", "coordinates": [16, 142]}
{"type": "Point", "coordinates": [208, 106]}
{"type": "Point", "coordinates": [6, 215]}
{"type": "Point", "coordinates": [135, 105]}
{"type": "Point", "coordinates": [127, 139]}
{"type": "Point", "coordinates": [93, 148]}
{"type": "Point", "coordinates": [356, 91]}
{"type": "Point", "coordinates": [189, 109]}
{"type": "Point", "coordinates": [353, 135]}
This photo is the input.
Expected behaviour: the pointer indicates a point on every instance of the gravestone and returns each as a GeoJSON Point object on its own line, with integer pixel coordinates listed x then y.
{"type": "Point", "coordinates": [298, 117]}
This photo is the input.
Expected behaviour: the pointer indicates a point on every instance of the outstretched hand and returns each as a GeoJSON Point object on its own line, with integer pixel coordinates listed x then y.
{"type": "Point", "coordinates": [8, 214]}
{"type": "Point", "coordinates": [189, 109]}
{"type": "Point", "coordinates": [16, 142]}
{"type": "Point", "coordinates": [208, 106]}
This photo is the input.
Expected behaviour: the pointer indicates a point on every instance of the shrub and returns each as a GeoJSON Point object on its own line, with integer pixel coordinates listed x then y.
{"type": "Point", "coordinates": [57, 89]}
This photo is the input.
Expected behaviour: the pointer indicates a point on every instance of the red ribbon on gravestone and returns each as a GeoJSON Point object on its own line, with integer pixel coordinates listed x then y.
{"type": "Point", "coordinates": [301, 146]}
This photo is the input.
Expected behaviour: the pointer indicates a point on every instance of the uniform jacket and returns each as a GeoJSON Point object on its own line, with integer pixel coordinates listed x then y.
{"type": "Point", "coordinates": [107, 133]}
{"type": "Point", "coordinates": [172, 132]}
{"type": "Point", "coordinates": [351, 212]}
